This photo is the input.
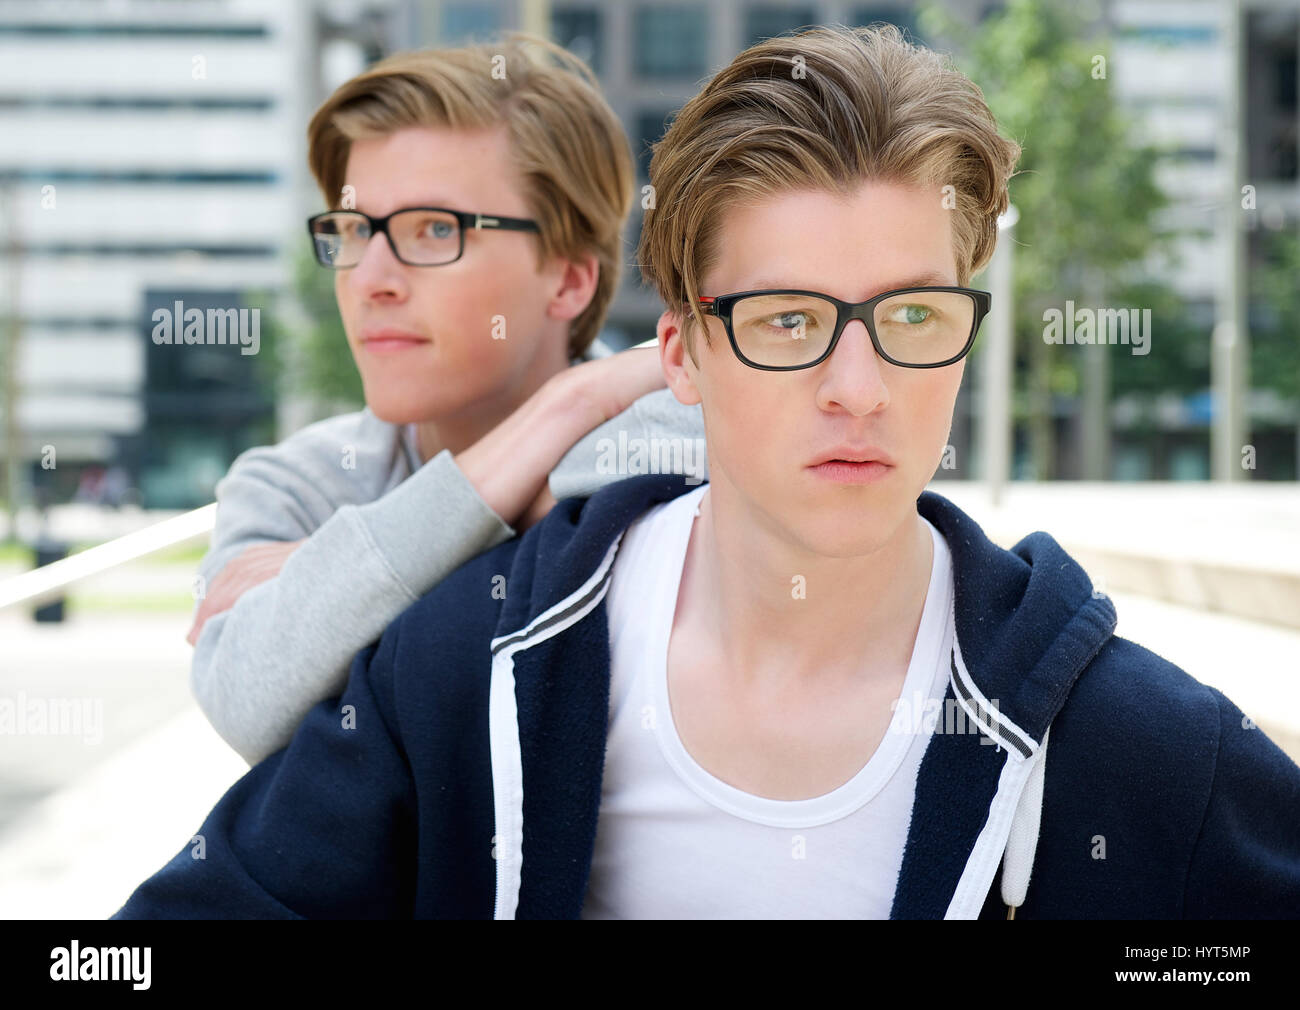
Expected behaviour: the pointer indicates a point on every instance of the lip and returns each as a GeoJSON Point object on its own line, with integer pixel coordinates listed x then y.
{"type": "Point", "coordinates": [842, 472]}
{"type": "Point", "coordinates": [852, 465]}
{"type": "Point", "coordinates": [853, 454]}
{"type": "Point", "coordinates": [389, 338]}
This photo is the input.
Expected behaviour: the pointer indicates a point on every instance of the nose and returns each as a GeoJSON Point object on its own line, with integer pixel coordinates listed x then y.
{"type": "Point", "coordinates": [852, 377]}
{"type": "Point", "coordinates": [378, 273]}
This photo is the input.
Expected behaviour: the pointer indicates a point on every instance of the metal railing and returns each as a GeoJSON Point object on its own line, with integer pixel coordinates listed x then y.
{"type": "Point", "coordinates": [41, 585]}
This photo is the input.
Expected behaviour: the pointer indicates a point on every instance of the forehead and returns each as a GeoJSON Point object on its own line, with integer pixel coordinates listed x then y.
{"type": "Point", "coordinates": [435, 166]}
{"type": "Point", "coordinates": [878, 236]}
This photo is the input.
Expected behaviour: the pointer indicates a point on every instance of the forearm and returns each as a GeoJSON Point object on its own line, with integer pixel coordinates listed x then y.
{"type": "Point", "coordinates": [545, 427]}
{"type": "Point", "coordinates": [286, 644]}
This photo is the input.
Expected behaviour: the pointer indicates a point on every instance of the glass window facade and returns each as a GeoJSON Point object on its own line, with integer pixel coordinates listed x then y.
{"type": "Point", "coordinates": [670, 41]}
{"type": "Point", "coordinates": [763, 21]}
{"type": "Point", "coordinates": [651, 125]}
{"type": "Point", "coordinates": [581, 31]}
{"type": "Point", "coordinates": [895, 14]}
{"type": "Point", "coordinates": [469, 22]}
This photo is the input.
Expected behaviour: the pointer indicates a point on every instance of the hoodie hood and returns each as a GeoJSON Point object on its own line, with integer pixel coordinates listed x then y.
{"type": "Point", "coordinates": [1027, 623]}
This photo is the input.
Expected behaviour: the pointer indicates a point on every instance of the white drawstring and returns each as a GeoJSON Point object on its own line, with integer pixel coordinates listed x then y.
{"type": "Point", "coordinates": [1018, 860]}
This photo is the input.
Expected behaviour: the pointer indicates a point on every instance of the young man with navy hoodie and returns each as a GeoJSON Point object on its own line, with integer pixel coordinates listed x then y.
{"type": "Point", "coordinates": [808, 687]}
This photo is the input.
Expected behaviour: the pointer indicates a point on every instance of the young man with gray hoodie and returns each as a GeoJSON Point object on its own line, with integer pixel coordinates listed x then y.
{"type": "Point", "coordinates": [501, 198]}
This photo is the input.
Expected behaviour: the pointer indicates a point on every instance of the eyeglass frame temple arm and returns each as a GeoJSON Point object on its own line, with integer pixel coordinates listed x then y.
{"type": "Point", "coordinates": [502, 223]}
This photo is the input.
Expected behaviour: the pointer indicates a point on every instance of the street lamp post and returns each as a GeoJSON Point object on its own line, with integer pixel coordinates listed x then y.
{"type": "Point", "coordinates": [998, 358]}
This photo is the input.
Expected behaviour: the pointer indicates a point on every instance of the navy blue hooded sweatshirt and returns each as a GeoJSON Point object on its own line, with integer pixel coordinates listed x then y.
{"type": "Point", "coordinates": [459, 774]}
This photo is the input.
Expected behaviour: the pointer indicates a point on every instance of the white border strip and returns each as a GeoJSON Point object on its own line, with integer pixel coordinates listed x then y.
{"type": "Point", "coordinates": [503, 735]}
{"type": "Point", "coordinates": [1007, 727]}
{"type": "Point", "coordinates": [973, 887]}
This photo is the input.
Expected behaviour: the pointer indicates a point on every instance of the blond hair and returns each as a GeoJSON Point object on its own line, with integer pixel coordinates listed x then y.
{"type": "Point", "coordinates": [566, 141]}
{"type": "Point", "coordinates": [828, 108]}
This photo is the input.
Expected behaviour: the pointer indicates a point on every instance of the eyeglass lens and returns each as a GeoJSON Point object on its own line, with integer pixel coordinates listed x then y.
{"type": "Point", "coordinates": [913, 327]}
{"type": "Point", "coordinates": [422, 237]}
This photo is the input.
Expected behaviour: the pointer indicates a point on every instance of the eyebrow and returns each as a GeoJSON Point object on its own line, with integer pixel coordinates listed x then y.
{"type": "Point", "coordinates": [931, 278]}
{"type": "Point", "coordinates": [414, 206]}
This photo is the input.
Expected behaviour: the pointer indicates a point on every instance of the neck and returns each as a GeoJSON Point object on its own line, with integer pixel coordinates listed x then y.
{"type": "Point", "coordinates": [855, 617]}
{"type": "Point", "coordinates": [458, 431]}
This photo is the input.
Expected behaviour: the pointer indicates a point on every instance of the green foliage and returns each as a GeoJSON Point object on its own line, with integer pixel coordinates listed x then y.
{"type": "Point", "coordinates": [1275, 315]}
{"type": "Point", "coordinates": [328, 369]}
{"type": "Point", "coordinates": [307, 353]}
{"type": "Point", "coordinates": [1086, 192]}
{"type": "Point", "coordinates": [1179, 362]}
{"type": "Point", "coordinates": [1087, 195]}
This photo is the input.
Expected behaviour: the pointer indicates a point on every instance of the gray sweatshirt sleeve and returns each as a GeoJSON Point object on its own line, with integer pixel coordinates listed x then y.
{"type": "Point", "coordinates": [368, 554]}
{"type": "Point", "coordinates": [287, 644]}
{"type": "Point", "coordinates": [657, 434]}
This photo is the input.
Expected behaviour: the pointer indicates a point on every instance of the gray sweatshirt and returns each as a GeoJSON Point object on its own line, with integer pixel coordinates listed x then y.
{"type": "Point", "coordinates": [381, 530]}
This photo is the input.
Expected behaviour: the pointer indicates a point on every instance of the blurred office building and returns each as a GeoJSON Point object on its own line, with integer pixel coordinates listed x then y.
{"type": "Point", "coordinates": [149, 157]}
{"type": "Point", "coordinates": [152, 165]}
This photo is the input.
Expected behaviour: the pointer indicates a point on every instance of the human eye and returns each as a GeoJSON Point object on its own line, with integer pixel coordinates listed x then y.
{"type": "Point", "coordinates": [790, 320]}
{"type": "Point", "coordinates": [426, 228]}
{"type": "Point", "coordinates": [795, 318]}
{"type": "Point", "coordinates": [437, 227]}
{"type": "Point", "coordinates": [910, 314]}
{"type": "Point", "coordinates": [344, 225]}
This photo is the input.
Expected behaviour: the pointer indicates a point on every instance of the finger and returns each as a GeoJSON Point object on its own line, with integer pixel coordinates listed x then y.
{"type": "Point", "coordinates": [254, 566]}
{"type": "Point", "coordinates": [244, 567]}
{"type": "Point", "coordinates": [235, 581]}
{"type": "Point", "coordinates": [226, 589]}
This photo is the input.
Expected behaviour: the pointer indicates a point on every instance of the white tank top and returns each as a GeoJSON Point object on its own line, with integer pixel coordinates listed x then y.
{"type": "Point", "coordinates": [673, 841]}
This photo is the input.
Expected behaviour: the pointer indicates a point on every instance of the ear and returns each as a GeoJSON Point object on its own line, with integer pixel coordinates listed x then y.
{"type": "Point", "coordinates": [680, 370]}
{"type": "Point", "coordinates": [574, 286]}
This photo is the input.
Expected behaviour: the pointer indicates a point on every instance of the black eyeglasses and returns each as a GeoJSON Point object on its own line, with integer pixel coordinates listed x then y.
{"type": "Point", "coordinates": [418, 236]}
{"type": "Point", "coordinates": [782, 330]}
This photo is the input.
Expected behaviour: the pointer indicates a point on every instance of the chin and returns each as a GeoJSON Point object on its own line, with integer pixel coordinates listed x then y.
{"type": "Point", "coordinates": [852, 528]}
{"type": "Point", "coordinates": [397, 407]}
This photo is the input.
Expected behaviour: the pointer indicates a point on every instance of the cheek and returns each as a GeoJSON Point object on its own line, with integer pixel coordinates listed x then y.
{"type": "Point", "coordinates": [929, 405]}
{"type": "Point", "coordinates": [349, 314]}
{"type": "Point", "coordinates": [343, 297]}
{"type": "Point", "coordinates": [745, 416]}
{"type": "Point", "coordinates": [489, 310]}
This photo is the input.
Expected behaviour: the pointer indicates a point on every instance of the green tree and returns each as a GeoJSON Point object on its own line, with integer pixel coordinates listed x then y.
{"type": "Point", "coordinates": [327, 369]}
{"type": "Point", "coordinates": [1275, 315]}
{"type": "Point", "coordinates": [305, 347]}
{"type": "Point", "coordinates": [1085, 189]}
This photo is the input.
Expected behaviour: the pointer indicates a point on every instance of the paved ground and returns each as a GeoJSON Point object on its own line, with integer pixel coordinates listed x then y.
{"type": "Point", "coordinates": [1252, 526]}
{"type": "Point", "coordinates": [113, 677]}
{"type": "Point", "coordinates": [1217, 548]}
{"type": "Point", "coordinates": [88, 812]}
